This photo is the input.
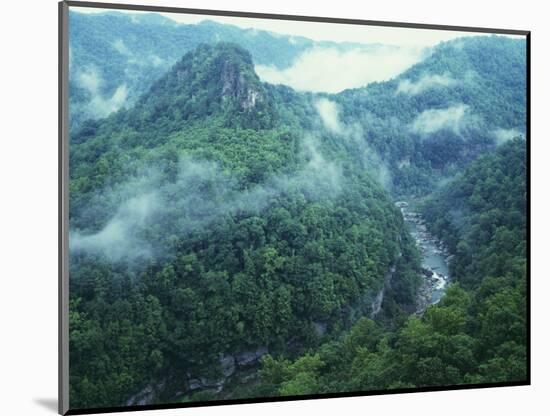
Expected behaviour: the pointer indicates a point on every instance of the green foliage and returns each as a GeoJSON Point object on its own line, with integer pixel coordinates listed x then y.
{"type": "Point", "coordinates": [477, 333]}
{"type": "Point", "coordinates": [253, 234]}
{"type": "Point", "coordinates": [487, 77]}
{"type": "Point", "coordinates": [484, 213]}
{"type": "Point", "coordinates": [132, 51]}
{"type": "Point", "coordinates": [298, 378]}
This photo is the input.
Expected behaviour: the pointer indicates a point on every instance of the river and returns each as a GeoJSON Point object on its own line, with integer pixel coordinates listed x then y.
{"type": "Point", "coordinates": [435, 270]}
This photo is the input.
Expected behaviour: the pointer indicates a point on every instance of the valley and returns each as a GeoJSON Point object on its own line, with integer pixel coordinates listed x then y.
{"type": "Point", "coordinates": [435, 257]}
{"type": "Point", "coordinates": [234, 238]}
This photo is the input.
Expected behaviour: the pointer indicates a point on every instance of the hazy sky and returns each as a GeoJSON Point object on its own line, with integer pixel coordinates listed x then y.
{"type": "Point", "coordinates": [321, 31]}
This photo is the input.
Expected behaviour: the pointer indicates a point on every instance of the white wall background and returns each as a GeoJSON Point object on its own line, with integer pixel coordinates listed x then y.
{"type": "Point", "coordinates": [28, 206]}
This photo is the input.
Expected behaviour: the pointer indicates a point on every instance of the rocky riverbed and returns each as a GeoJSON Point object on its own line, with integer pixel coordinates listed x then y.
{"type": "Point", "coordinates": [435, 258]}
{"type": "Point", "coordinates": [241, 368]}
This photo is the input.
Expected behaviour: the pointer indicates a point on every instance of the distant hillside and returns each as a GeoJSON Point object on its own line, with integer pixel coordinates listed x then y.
{"type": "Point", "coordinates": [476, 334]}
{"type": "Point", "coordinates": [216, 219]}
{"type": "Point", "coordinates": [202, 226]}
{"type": "Point", "coordinates": [115, 57]}
{"type": "Point", "coordinates": [464, 99]}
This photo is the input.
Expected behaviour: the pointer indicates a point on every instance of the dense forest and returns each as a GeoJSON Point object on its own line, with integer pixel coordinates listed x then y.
{"type": "Point", "coordinates": [233, 238]}
{"type": "Point", "coordinates": [116, 57]}
{"type": "Point", "coordinates": [476, 334]}
{"type": "Point", "coordinates": [242, 234]}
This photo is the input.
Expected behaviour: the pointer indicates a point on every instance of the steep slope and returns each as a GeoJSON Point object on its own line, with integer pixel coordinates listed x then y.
{"type": "Point", "coordinates": [212, 90]}
{"type": "Point", "coordinates": [482, 215]}
{"type": "Point", "coordinates": [476, 334]}
{"type": "Point", "coordinates": [206, 232]}
{"type": "Point", "coordinates": [464, 99]}
{"type": "Point", "coordinates": [116, 57]}
{"type": "Point", "coordinates": [211, 80]}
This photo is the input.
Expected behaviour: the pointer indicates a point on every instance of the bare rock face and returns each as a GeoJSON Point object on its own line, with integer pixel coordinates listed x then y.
{"type": "Point", "coordinates": [251, 98]}
{"type": "Point", "coordinates": [228, 367]}
{"type": "Point", "coordinates": [212, 384]}
{"type": "Point", "coordinates": [379, 298]}
{"type": "Point", "coordinates": [145, 396]}
{"type": "Point", "coordinates": [247, 358]}
{"type": "Point", "coordinates": [194, 384]}
{"type": "Point", "coordinates": [236, 87]}
{"type": "Point", "coordinates": [203, 383]}
{"type": "Point", "coordinates": [227, 363]}
{"type": "Point", "coordinates": [377, 302]}
{"type": "Point", "coordinates": [232, 80]}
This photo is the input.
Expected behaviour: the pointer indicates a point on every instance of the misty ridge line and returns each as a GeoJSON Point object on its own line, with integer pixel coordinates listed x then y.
{"type": "Point", "coordinates": [356, 139]}
{"type": "Point", "coordinates": [425, 83]}
{"type": "Point", "coordinates": [428, 122]}
{"type": "Point", "coordinates": [368, 65]}
{"type": "Point", "coordinates": [462, 121]}
{"type": "Point", "coordinates": [319, 69]}
{"type": "Point", "coordinates": [201, 194]}
{"type": "Point", "coordinates": [197, 205]}
{"type": "Point", "coordinates": [363, 65]}
{"type": "Point", "coordinates": [99, 105]}
{"type": "Point", "coordinates": [457, 118]}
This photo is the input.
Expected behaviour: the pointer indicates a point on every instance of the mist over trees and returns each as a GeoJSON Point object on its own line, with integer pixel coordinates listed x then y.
{"type": "Point", "coordinates": [476, 334]}
{"type": "Point", "coordinates": [115, 57]}
{"type": "Point", "coordinates": [222, 225]}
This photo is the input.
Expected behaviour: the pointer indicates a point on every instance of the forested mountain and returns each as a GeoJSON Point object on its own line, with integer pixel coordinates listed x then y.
{"type": "Point", "coordinates": [216, 219]}
{"type": "Point", "coordinates": [116, 57]}
{"type": "Point", "coordinates": [459, 101]}
{"type": "Point", "coordinates": [436, 117]}
{"type": "Point", "coordinates": [476, 334]}
{"type": "Point", "coordinates": [203, 227]}
{"type": "Point", "coordinates": [482, 215]}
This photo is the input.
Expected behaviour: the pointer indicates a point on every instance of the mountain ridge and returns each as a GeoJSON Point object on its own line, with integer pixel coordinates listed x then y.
{"type": "Point", "coordinates": [219, 215]}
{"type": "Point", "coordinates": [392, 118]}
{"type": "Point", "coordinates": [210, 79]}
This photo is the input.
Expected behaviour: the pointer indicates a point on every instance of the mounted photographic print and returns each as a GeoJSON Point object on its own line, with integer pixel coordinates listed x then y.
{"type": "Point", "coordinates": [263, 207]}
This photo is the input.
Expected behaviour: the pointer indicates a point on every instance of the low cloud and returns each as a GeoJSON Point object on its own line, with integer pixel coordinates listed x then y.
{"type": "Point", "coordinates": [332, 70]}
{"type": "Point", "coordinates": [90, 80]}
{"type": "Point", "coordinates": [120, 237]}
{"type": "Point", "coordinates": [152, 207]}
{"type": "Point", "coordinates": [121, 47]}
{"type": "Point", "coordinates": [329, 113]}
{"type": "Point", "coordinates": [100, 105]}
{"type": "Point", "coordinates": [434, 120]}
{"type": "Point", "coordinates": [157, 61]}
{"type": "Point", "coordinates": [503, 135]}
{"type": "Point", "coordinates": [371, 160]}
{"type": "Point", "coordinates": [356, 138]}
{"type": "Point", "coordinates": [319, 168]}
{"type": "Point", "coordinates": [426, 82]}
